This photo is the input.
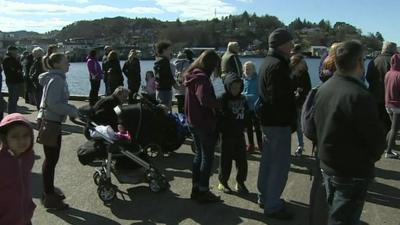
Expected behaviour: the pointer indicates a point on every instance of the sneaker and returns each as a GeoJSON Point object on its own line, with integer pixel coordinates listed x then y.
{"type": "Point", "coordinates": [392, 155]}
{"type": "Point", "coordinates": [299, 151]}
{"type": "Point", "coordinates": [53, 201]}
{"type": "Point", "coordinates": [224, 188]}
{"type": "Point", "coordinates": [241, 188]}
{"type": "Point", "coordinates": [207, 197]}
{"type": "Point", "coordinates": [282, 214]}
{"type": "Point", "coordinates": [250, 148]}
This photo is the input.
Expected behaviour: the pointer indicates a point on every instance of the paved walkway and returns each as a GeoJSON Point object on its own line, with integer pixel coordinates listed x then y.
{"type": "Point", "coordinates": [137, 205]}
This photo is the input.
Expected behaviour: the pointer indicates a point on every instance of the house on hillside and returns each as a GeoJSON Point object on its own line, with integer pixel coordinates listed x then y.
{"type": "Point", "coordinates": [318, 51]}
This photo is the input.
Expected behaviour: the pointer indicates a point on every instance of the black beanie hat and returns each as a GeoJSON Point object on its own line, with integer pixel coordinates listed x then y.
{"type": "Point", "coordinates": [279, 37]}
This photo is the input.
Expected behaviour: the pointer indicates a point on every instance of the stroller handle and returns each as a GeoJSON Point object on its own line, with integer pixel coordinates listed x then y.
{"type": "Point", "coordinates": [77, 122]}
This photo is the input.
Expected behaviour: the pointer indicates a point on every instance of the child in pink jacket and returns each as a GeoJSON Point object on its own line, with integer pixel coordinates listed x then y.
{"type": "Point", "coordinates": [16, 162]}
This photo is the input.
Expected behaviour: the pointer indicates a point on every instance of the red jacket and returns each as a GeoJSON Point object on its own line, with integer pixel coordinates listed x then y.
{"type": "Point", "coordinates": [16, 205]}
{"type": "Point", "coordinates": [392, 83]}
{"type": "Point", "coordinates": [200, 101]}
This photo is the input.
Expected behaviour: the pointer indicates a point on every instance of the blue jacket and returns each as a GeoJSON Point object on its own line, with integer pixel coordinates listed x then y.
{"type": "Point", "coordinates": [250, 90]}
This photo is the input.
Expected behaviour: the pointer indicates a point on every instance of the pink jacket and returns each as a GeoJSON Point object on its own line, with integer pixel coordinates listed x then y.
{"type": "Point", "coordinates": [392, 83]}
{"type": "Point", "coordinates": [16, 205]}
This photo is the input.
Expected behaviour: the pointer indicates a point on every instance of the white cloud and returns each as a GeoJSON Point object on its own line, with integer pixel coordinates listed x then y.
{"type": "Point", "coordinates": [51, 9]}
{"type": "Point", "coordinates": [13, 24]}
{"type": "Point", "coordinates": [195, 9]}
{"type": "Point", "coordinates": [245, 1]}
{"type": "Point", "coordinates": [71, 1]}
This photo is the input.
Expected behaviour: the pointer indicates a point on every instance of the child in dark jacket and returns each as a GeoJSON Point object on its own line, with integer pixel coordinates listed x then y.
{"type": "Point", "coordinates": [16, 162]}
{"type": "Point", "coordinates": [232, 123]}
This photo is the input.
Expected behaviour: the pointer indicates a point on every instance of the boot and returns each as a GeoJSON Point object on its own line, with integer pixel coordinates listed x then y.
{"type": "Point", "coordinates": [53, 201]}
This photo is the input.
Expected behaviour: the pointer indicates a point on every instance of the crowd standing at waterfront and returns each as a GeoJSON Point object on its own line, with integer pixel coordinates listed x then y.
{"type": "Point", "coordinates": [268, 102]}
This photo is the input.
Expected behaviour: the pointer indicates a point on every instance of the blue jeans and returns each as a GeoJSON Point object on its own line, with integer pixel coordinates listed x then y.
{"type": "Point", "coordinates": [165, 98]}
{"type": "Point", "coordinates": [300, 141]}
{"type": "Point", "coordinates": [205, 142]}
{"type": "Point", "coordinates": [346, 197]}
{"type": "Point", "coordinates": [274, 167]}
{"type": "Point", "coordinates": [14, 91]}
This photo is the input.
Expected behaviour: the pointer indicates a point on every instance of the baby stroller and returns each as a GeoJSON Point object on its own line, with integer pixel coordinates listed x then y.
{"type": "Point", "coordinates": [108, 148]}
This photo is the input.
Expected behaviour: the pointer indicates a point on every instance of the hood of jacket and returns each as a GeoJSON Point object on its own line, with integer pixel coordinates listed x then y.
{"type": "Point", "coordinates": [395, 62]}
{"type": "Point", "coordinates": [45, 77]}
{"type": "Point", "coordinates": [91, 57]}
{"type": "Point", "coordinates": [194, 76]}
{"type": "Point", "coordinates": [229, 79]}
{"type": "Point", "coordinates": [11, 119]}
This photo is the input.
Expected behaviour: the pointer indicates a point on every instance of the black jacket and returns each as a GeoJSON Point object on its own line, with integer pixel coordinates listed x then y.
{"type": "Point", "coordinates": [164, 77]}
{"type": "Point", "coordinates": [234, 113]}
{"type": "Point", "coordinates": [12, 70]}
{"type": "Point", "coordinates": [350, 137]}
{"type": "Point", "coordinates": [104, 113]}
{"type": "Point", "coordinates": [114, 73]}
{"type": "Point", "coordinates": [132, 70]}
{"type": "Point", "coordinates": [301, 85]}
{"type": "Point", "coordinates": [276, 91]}
{"type": "Point", "coordinates": [375, 76]}
{"type": "Point", "coordinates": [36, 70]}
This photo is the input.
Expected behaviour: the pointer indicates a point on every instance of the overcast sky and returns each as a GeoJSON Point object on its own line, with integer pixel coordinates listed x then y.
{"type": "Point", "coordinates": [46, 15]}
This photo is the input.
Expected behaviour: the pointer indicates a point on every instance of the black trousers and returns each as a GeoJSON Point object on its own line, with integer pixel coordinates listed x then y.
{"type": "Point", "coordinates": [254, 122]}
{"type": "Point", "coordinates": [94, 91]}
{"type": "Point", "coordinates": [233, 149]}
{"type": "Point", "coordinates": [52, 154]}
{"type": "Point", "coordinates": [181, 103]}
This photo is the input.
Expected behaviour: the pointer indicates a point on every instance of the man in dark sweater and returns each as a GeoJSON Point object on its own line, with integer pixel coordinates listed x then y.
{"type": "Point", "coordinates": [230, 60]}
{"type": "Point", "coordinates": [14, 78]}
{"type": "Point", "coordinates": [277, 111]}
{"type": "Point", "coordinates": [163, 73]}
{"type": "Point", "coordinates": [107, 50]}
{"type": "Point", "coordinates": [375, 76]}
{"type": "Point", "coordinates": [350, 138]}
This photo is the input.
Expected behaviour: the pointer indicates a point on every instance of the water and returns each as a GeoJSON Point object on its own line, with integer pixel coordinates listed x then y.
{"type": "Point", "coordinates": [78, 78]}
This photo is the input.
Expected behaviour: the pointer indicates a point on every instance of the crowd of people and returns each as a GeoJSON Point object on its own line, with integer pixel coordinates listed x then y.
{"type": "Point", "coordinates": [350, 118]}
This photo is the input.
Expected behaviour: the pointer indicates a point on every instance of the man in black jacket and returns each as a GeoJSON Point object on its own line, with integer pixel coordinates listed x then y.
{"type": "Point", "coordinates": [350, 137]}
{"type": "Point", "coordinates": [375, 76]}
{"type": "Point", "coordinates": [164, 77]}
{"type": "Point", "coordinates": [107, 50]}
{"type": "Point", "coordinates": [277, 111]}
{"type": "Point", "coordinates": [14, 78]}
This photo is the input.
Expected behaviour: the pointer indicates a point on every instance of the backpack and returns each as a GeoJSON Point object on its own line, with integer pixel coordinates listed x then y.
{"type": "Point", "coordinates": [307, 116]}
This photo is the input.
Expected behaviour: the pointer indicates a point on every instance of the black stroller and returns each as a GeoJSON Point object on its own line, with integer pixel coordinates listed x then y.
{"type": "Point", "coordinates": [102, 146]}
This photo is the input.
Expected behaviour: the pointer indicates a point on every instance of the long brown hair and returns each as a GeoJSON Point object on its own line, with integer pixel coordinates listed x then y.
{"type": "Point", "coordinates": [209, 62]}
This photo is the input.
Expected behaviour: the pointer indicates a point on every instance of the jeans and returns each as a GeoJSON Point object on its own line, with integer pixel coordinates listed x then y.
{"type": "Point", "coordinates": [274, 167]}
{"type": "Point", "coordinates": [14, 91]}
{"type": "Point", "coordinates": [233, 148]}
{"type": "Point", "coordinates": [165, 98]}
{"type": "Point", "coordinates": [254, 122]}
{"type": "Point", "coordinates": [94, 91]}
{"type": "Point", "coordinates": [205, 141]}
{"type": "Point", "coordinates": [345, 197]}
{"type": "Point", "coordinates": [300, 140]}
{"type": "Point", "coordinates": [394, 115]}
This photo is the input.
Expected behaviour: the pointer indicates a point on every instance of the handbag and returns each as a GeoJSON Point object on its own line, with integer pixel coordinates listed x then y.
{"type": "Point", "coordinates": [49, 133]}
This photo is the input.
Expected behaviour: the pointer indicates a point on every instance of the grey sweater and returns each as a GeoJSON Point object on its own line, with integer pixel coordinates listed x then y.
{"type": "Point", "coordinates": [54, 106]}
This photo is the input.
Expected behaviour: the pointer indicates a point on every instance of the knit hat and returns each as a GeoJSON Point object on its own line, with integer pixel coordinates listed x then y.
{"type": "Point", "coordinates": [279, 37]}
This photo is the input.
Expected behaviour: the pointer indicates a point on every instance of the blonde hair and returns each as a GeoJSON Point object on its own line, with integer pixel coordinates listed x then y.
{"type": "Point", "coordinates": [113, 55]}
{"type": "Point", "coordinates": [251, 64]}
{"type": "Point", "coordinates": [37, 52]}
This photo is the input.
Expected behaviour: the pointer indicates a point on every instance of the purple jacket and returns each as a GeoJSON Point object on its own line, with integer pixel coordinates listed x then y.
{"type": "Point", "coordinates": [200, 101]}
{"type": "Point", "coordinates": [392, 83]}
{"type": "Point", "coordinates": [95, 71]}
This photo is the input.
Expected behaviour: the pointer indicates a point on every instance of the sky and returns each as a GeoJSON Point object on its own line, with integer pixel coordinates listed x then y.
{"type": "Point", "coordinates": [46, 15]}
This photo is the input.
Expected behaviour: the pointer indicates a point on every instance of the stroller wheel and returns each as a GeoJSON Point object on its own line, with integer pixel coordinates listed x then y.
{"type": "Point", "coordinates": [107, 192]}
{"type": "Point", "coordinates": [96, 177]}
{"type": "Point", "coordinates": [152, 150]}
{"type": "Point", "coordinates": [154, 186]}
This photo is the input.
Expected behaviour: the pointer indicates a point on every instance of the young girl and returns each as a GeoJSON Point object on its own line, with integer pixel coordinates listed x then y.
{"type": "Point", "coordinates": [250, 91]}
{"type": "Point", "coordinates": [16, 162]}
{"type": "Point", "coordinates": [150, 87]}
